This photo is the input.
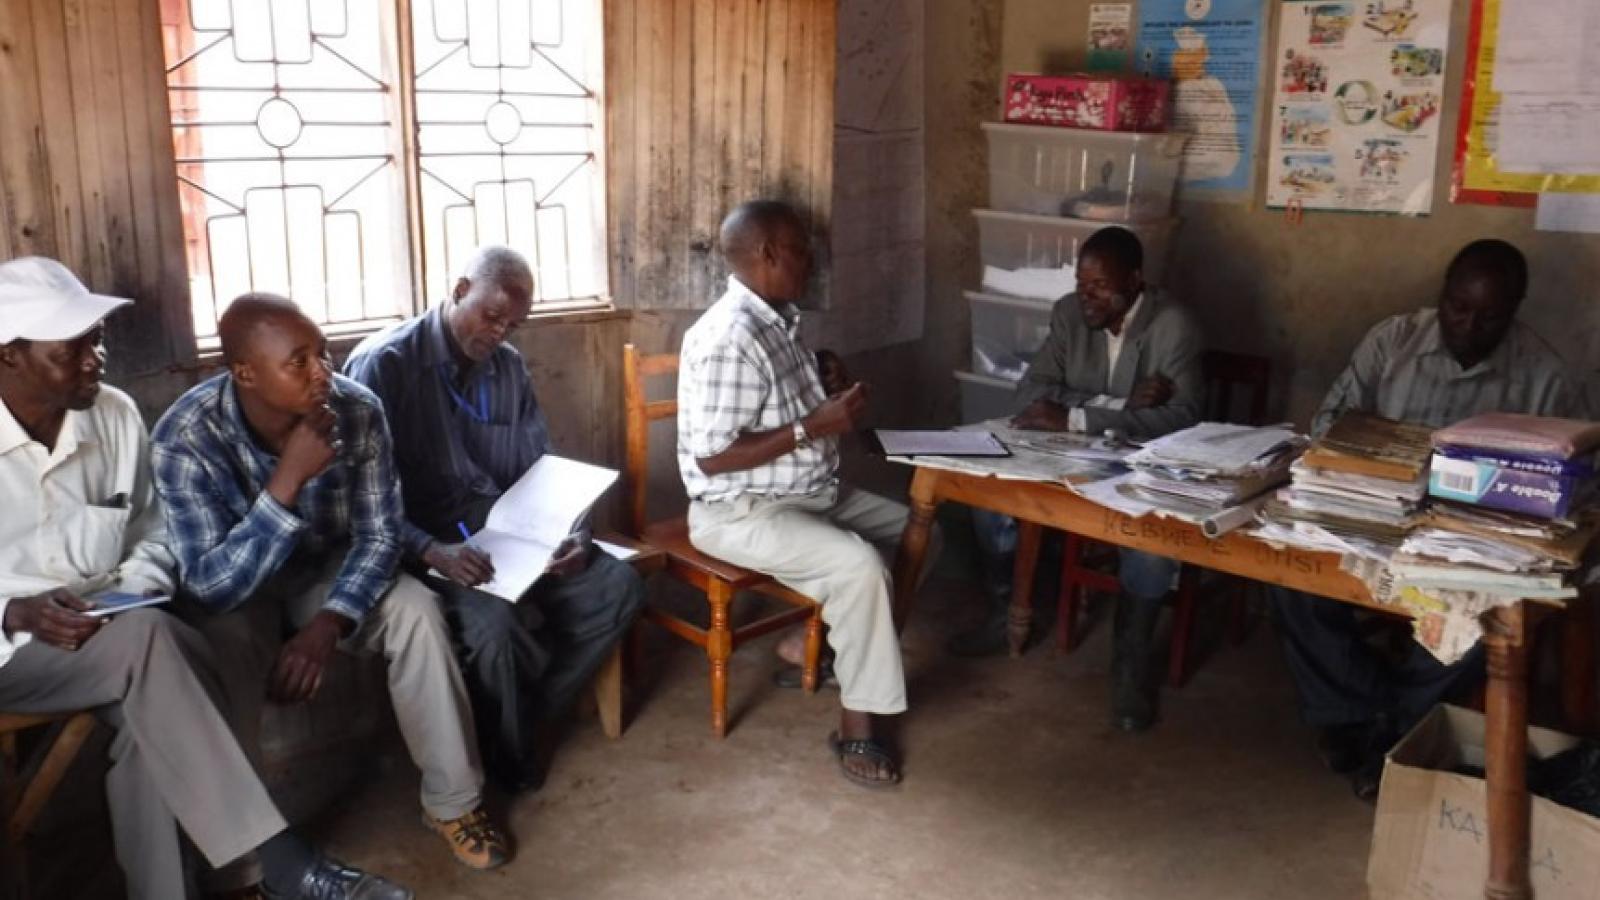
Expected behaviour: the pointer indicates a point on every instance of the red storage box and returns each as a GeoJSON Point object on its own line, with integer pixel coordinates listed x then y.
{"type": "Point", "coordinates": [1082, 100]}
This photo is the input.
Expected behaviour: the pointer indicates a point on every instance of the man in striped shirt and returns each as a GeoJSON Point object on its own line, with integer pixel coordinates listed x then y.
{"type": "Point", "coordinates": [1436, 366]}
{"type": "Point", "coordinates": [467, 425]}
{"type": "Point", "coordinates": [758, 449]}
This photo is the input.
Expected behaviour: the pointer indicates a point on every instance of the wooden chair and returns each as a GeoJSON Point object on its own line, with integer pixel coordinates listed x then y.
{"type": "Point", "coordinates": [609, 681]}
{"type": "Point", "coordinates": [25, 789]}
{"type": "Point", "coordinates": [718, 580]}
{"type": "Point", "coordinates": [1083, 560]}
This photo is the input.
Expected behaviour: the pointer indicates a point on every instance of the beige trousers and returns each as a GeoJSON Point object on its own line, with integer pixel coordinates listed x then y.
{"type": "Point", "coordinates": [830, 545]}
{"type": "Point", "coordinates": [425, 686]}
{"type": "Point", "coordinates": [174, 761]}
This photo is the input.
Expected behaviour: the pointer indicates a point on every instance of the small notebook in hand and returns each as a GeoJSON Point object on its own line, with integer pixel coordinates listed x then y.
{"type": "Point", "coordinates": [941, 442]}
{"type": "Point", "coordinates": [112, 602]}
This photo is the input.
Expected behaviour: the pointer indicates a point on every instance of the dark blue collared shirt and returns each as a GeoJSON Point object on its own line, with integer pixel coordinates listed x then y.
{"type": "Point", "coordinates": [462, 436]}
{"type": "Point", "coordinates": [230, 535]}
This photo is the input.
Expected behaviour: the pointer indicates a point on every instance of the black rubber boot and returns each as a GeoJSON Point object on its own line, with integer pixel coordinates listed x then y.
{"type": "Point", "coordinates": [1133, 695]}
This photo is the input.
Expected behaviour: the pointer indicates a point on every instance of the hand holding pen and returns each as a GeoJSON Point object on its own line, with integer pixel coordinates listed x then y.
{"type": "Point", "coordinates": [462, 563]}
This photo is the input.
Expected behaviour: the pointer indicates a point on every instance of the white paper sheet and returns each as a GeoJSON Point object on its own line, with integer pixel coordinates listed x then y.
{"type": "Point", "coordinates": [939, 443]}
{"type": "Point", "coordinates": [1546, 46]}
{"type": "Point", "coordinates": [530, 520]}
{"type": "Point", "coordinates": [1549, 133]}
{"type": "Point", "coordinates": [1568, 212]}
{"type": "Point", "coordinates": [616, 551]}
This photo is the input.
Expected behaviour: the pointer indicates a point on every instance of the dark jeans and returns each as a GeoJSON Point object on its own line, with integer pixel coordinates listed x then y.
{"type": "Point", "coordinates": [525, 663]}
{"type": "Point", "coordinates": [1342, 680]}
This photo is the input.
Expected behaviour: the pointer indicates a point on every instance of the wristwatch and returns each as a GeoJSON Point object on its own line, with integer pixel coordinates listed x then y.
{"type": "Point", "coordinates": [802, 440]}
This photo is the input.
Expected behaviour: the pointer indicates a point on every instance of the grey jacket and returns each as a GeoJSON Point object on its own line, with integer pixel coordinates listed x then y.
{"type": "Point", "coordinates": [1070, 368]}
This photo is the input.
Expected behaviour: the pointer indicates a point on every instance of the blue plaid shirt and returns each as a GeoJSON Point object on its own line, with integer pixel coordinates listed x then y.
{"type": "Point", "coordinates": [231, 536]}
{"type": "Point", "coordinates": [463, 436]}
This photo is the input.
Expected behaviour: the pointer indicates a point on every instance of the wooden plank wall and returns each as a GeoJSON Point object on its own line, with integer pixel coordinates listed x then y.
{"type": "Point", "coordinates": [86, 163]}
{"type": "Point", "coordinates": [711, 102]}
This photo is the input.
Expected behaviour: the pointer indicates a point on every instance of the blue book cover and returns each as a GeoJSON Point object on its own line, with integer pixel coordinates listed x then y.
{"type": "Point", "coordinates": [1576, 467]}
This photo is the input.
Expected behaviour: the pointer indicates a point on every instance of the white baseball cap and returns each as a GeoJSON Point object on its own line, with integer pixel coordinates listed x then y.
{"type": "Point", "coordinates": [41, 300]}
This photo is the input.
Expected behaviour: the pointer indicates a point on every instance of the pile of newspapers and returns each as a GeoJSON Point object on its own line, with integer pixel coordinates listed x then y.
{"type": "Point", "coordinates": [1214, 474]}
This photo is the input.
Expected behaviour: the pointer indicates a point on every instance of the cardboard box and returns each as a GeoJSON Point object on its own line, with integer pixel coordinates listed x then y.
{"type": "Point", "coordinates": [1430, 840]}
{"type": "Point", "coordinates": [1507, 485]}
{"type": "Point", "coordinates": [1082, 100]}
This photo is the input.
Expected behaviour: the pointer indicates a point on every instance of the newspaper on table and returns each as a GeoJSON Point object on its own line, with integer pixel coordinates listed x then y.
{"type": "Point", "coordinates": [1049, 457]}
{"type": "Point", "coordinates": [1213, 474]}
{"type": "Point", "coordinates": [1448, 623]}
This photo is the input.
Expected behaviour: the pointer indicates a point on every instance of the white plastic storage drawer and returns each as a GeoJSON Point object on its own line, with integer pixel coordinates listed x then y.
{"type": "Point", "coordinates": [1108, 176]}
{"type": "Point", "coordinates": [984, 398]}
{"type": "Point", "coordinates": [1006, 333]}
{"type": "Point", "coordinates": [1019, 241]}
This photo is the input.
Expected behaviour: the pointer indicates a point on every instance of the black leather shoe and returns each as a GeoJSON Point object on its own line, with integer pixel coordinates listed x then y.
{"type": "Point", "coordinates": [1344, 747]}
{"type": "Point", "coordinates": [328, 879]}
{"type": "Point", "coordinates": [1366, 780]}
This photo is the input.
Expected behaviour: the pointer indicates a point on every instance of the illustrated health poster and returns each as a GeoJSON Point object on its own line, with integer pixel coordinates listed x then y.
{"type": "Point", "coordinates": [1358, 91]}
{"type": "Point", "coordinates": [1211, 49]}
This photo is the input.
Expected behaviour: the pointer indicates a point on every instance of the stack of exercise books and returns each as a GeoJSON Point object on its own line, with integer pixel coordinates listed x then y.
{"type": "Point", "coordinates": [1357, 489]}
{"type": "Point", "coordinates": [1515, 508]}
{"type": "Point", "coordinates": [1213, 474]}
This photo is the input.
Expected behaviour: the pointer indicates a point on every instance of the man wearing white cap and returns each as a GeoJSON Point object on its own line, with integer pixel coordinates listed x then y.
{"type": "Point", "coordinates": [83, 520]}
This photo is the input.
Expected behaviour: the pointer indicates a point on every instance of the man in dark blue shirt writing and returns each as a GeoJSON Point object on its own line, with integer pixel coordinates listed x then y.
{"type": "Point", "coordinates": [466, 426]}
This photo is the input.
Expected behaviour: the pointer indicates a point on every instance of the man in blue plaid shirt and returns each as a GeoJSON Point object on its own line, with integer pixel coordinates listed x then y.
{"type": "Point", "coordinates": [284, 513]}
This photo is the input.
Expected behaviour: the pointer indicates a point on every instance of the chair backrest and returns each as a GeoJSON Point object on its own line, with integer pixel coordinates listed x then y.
{"type": "Point", "coordinates": [1224, 371]}
{"type": "Point", "coordinates": [637, 369]}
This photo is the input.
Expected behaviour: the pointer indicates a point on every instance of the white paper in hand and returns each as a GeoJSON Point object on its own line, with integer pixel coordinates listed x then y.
{"type": "Point", "coordinates": [530, 520]}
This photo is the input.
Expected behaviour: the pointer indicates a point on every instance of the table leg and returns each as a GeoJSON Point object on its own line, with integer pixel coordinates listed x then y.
{"type": "Point", "coordinates": [1020, 618]}
{"type": "Point", "coordinates": [1578, 626]}
{"type": "Point", "coordinates": [1505, 634]}
{"type": "Point", "coordinates": [914, 543]}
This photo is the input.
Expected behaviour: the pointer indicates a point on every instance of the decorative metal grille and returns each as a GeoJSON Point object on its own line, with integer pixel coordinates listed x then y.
{"type": "Point", "coordinates": [508, 140]}
{"type": "Point", "coordinates": [290, 155]}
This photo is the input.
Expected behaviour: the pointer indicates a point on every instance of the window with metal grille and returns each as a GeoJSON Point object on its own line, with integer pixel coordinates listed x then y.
{"type": "Point", "coordinates": [352, 154]}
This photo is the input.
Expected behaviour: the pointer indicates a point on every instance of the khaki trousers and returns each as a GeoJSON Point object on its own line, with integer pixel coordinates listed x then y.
{"type": "Point", "coordinates": [407, 627]}
{"type": "Point", "coordinates": [830, 545]}
{"type": "Point", "coordinates": [174, 760]}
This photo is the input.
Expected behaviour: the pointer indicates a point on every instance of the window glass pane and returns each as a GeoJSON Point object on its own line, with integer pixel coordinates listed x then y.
{"type": "Point", "coordinates": [509, 139]}
{"type": "Point", "coordinates": [283, 133]}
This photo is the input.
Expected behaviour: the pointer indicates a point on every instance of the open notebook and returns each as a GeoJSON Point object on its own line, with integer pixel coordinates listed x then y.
{"type": "Point", "coordinates": [530, 520]}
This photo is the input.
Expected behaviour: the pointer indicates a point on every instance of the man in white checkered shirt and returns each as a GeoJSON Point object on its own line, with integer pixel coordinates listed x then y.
{"type": "Point", "coordinates": [758, 447]}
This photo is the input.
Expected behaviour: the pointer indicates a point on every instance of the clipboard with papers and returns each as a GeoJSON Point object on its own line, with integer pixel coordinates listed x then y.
{"type": "Point", "coordinates": [938, 442]}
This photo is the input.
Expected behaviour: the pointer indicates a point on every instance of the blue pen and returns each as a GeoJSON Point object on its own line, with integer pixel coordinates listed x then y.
{"type": "Point", "coordinates": [466, 536]}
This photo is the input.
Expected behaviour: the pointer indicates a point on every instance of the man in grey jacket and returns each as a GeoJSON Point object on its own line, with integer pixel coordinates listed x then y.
{"type": "Point", "coordinates": [1121, 357]}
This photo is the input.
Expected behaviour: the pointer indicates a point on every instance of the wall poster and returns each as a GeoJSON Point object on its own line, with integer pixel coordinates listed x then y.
{"type": "Point", "coordinates": [1110, 36]}
{"type": "Point", "coordinates": [1477, 176]}
{"type": "Point", "coordinates": [1211, 49]}
{"type": "Point", "coordinates": [1359, 86]}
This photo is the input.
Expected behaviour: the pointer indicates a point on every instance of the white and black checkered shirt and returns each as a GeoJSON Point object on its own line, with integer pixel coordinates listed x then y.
{"type": "Point", "coordinates": [743, 368]}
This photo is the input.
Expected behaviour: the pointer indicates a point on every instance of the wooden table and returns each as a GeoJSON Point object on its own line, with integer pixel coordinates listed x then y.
{"type": "Point", "coordinates": [1038, 505]}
